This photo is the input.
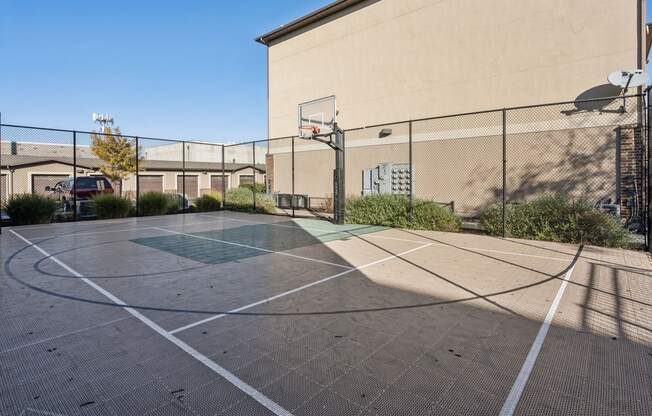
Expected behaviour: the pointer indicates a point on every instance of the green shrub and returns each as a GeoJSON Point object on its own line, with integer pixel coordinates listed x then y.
{"type": "Point", "coordinates": [258, 186]}
{"type": "Point", "coordinates": [557, 219]}
{"type": "Point", "coordinates": [108, 206]}
{"type": "Point", "coordinates": [429, 215]}
{"type": "Point", "coordinates": [393, 211]}
{"type": "Point", "coordinates": [174, 203]}
{"type": "Point", "coordinates": [154, 203]}
{"type": "Point", "coordinates": [208, 202]}
{"type": "Point", "coordinates": [242, 199]}
{"type": "Point", "coordinates": [386, 210]}
{"type": "Point", "coordinates": [30, 209]}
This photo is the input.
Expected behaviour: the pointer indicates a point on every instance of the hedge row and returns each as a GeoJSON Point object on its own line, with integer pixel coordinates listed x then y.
{"type": "Point", "coordinates": [547, 218]}
{"type": "Point", "coordinates": [242, 199]}
{"type": "Point", "coordinates": [393, 211]}
{"type": "Point", "coordinates": [557, 219]}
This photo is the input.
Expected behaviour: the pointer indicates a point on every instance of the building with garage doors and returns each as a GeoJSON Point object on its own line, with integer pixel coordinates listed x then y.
{"type": "Point", "coordinates": [30, 167]}
{"type": "Point", "coordinates": [393, 60]}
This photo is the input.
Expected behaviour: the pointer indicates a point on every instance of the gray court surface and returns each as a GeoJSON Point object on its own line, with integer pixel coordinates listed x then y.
{"type": "Point", "coordinates": [236, 314]}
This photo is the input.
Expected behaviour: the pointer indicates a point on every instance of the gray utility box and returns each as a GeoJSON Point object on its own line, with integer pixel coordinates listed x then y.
{"type": "Point", "coordinates": [388, 178]}
{"type": "Point", "coordinates": [284, 201]}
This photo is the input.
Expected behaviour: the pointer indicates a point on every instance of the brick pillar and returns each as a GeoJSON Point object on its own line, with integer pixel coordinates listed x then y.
{"type": "Point", "coordinates": [269, 172]}
{"type": "Point", "coordinates": [631, 172]}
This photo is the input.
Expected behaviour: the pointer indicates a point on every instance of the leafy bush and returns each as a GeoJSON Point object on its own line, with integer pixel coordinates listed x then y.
{"type": "Point", "coordinates": [557, 219]}
{"type": "Point", "coordinates": [155, 203]}
{"type": "Point", "coordinates": [258, 186]}
{"type": "Point", "coordinates": [242, 199]}
{"type": "Point", "coordinates": [30, 209]}
{"type": "Point", "coordinates": [174, 203]}
{"type": "Point", "coordinates": [429, 215]}
{"type": "Point", "coordinates": [393, 211]}
{"type": "Point", "coordinates": [111, 206]}
{"type": "Point", "coordinates": [208, 202]}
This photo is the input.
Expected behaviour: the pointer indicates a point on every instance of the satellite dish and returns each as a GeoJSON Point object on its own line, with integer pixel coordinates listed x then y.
{"type": "Point", "coordinates": [628, 79]}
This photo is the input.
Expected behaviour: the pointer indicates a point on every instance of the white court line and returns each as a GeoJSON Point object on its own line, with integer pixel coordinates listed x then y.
{"type": "Point", "coordinates": [122, 230]}
{"type": "Point", "coordinates": [521, 380]}
{"type": "Point", "coordinates": [254, 248]}
{"type": "Point", "coordinates": [372, 235]}
{"type": "Point", "coordinates": [289, 292]}
{"type": "Point", "coordinates": [246, 388]}
{"type": "Point", "coordinates": [88, 328]}
{"type": "Point", "coordinates": [511, 253]}
{"type": "Point", "coordinates": [299, 227]}
{"type": "Point", "coordinates": [452, 246]}
{"type": "Point", "coordinates": [120, 221]}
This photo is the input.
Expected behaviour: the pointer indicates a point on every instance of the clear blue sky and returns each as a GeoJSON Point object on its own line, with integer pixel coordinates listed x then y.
{"type": "Point", "coordinates": [179, 69]}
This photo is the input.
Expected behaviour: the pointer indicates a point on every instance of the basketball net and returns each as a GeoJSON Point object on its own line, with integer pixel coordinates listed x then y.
{"type": "Point", "coordinates": [310, 130]}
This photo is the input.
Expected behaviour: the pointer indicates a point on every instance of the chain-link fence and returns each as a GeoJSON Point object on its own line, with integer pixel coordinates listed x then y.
{"type": "Point", "coordinates": [591, 150]}
{"type": "Point", "coordinates": [36, 161]}
{"type": "Point", "coordinates": [594, 150]}
{"type": "Point", "coordinates": [458, 161]}
{"type": "Point", "coordinates": [73, 168]}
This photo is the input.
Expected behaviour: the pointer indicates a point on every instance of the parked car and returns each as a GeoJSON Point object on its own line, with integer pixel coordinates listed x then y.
{"type": "Point", "coordinates": [85, 187]}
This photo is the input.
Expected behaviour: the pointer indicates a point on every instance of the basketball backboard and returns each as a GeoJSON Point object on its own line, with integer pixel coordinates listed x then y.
{"type": "Point", "coordinates": [317, 117]}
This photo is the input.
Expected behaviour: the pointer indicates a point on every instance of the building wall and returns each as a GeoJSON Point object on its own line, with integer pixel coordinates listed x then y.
{"type": "Point", "coordinates": [19, 180]}
{"type": "Point", "coordinates": [28, 148]}
{"type": "Point", "coordinates": [204, 181]}
{"type": "Point", "coordinates": [407, 59]}
{"type": "Point", "coordinates": [392, 60]}
{"type": "Point", "coordinates": [550, 150]}
{"type": "Point", "coordinates": [200, 152]}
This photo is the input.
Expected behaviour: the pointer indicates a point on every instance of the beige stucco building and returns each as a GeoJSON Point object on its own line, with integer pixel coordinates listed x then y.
{"type": "Point", "coordinates": [393, 60]}
{"type": "Point", "coordinates": [29, 166]}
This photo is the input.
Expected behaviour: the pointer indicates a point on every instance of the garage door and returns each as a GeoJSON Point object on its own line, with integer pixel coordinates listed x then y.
{"type": "Point", "coordinates": [40, 182]}
{"type": "Point", "coordinates": [191, 185]}
{"type": "Point", "coordinates": [3, 189]}
{"type": "Point", "coordinates": [149, 183]}
{"type": "Point", "coordinates": [217, 184]}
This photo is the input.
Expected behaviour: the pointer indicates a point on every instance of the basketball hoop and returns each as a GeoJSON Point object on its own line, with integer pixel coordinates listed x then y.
{"type": "Point", "coordinates": [308, 131]}
{"type": "Point", "coordinates": [317, 118]}
{"type": "Point", "coordinates": [318, 121]}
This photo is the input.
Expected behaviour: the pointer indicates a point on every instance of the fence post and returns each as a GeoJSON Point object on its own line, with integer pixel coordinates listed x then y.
{"type": "Point", "coordinates": [137, 180]}
{"type": "Point", "coordinates": [504, 170]}
{"type": "Point", "coordinates": [292, 199]}
{"type": "Point", "coordinates": [74, 175]}
{"type": "Point", "coordinates": [253, 189]}
{"type": "Point", "coordinates": [223, 181]}
{"type": "Point", "coordinates": [3, 191]}
{"type": "Point", "coordinates": [183, 177]}
{"type": "Point", "coordinates": [648, 199]}
{"type": "Point", "coordinates": [410, 209]}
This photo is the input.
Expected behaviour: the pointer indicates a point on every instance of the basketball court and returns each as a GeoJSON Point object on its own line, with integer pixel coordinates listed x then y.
{"type": "Point", "coordinates": [238, 314]}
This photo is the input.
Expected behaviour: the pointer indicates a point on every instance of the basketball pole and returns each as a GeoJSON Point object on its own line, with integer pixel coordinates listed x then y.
{"type": "Point", "coordinates": [335, 140]}
{"type": "Point", "coordinates": [339, 192]}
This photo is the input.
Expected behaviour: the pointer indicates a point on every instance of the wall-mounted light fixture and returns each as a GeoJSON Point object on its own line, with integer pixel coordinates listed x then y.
{"type": "Point", "coordinates": [384, 133]}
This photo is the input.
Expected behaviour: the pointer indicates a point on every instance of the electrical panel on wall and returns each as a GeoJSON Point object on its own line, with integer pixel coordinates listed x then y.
{"type": "Point", "coordinates": [387, 178]}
